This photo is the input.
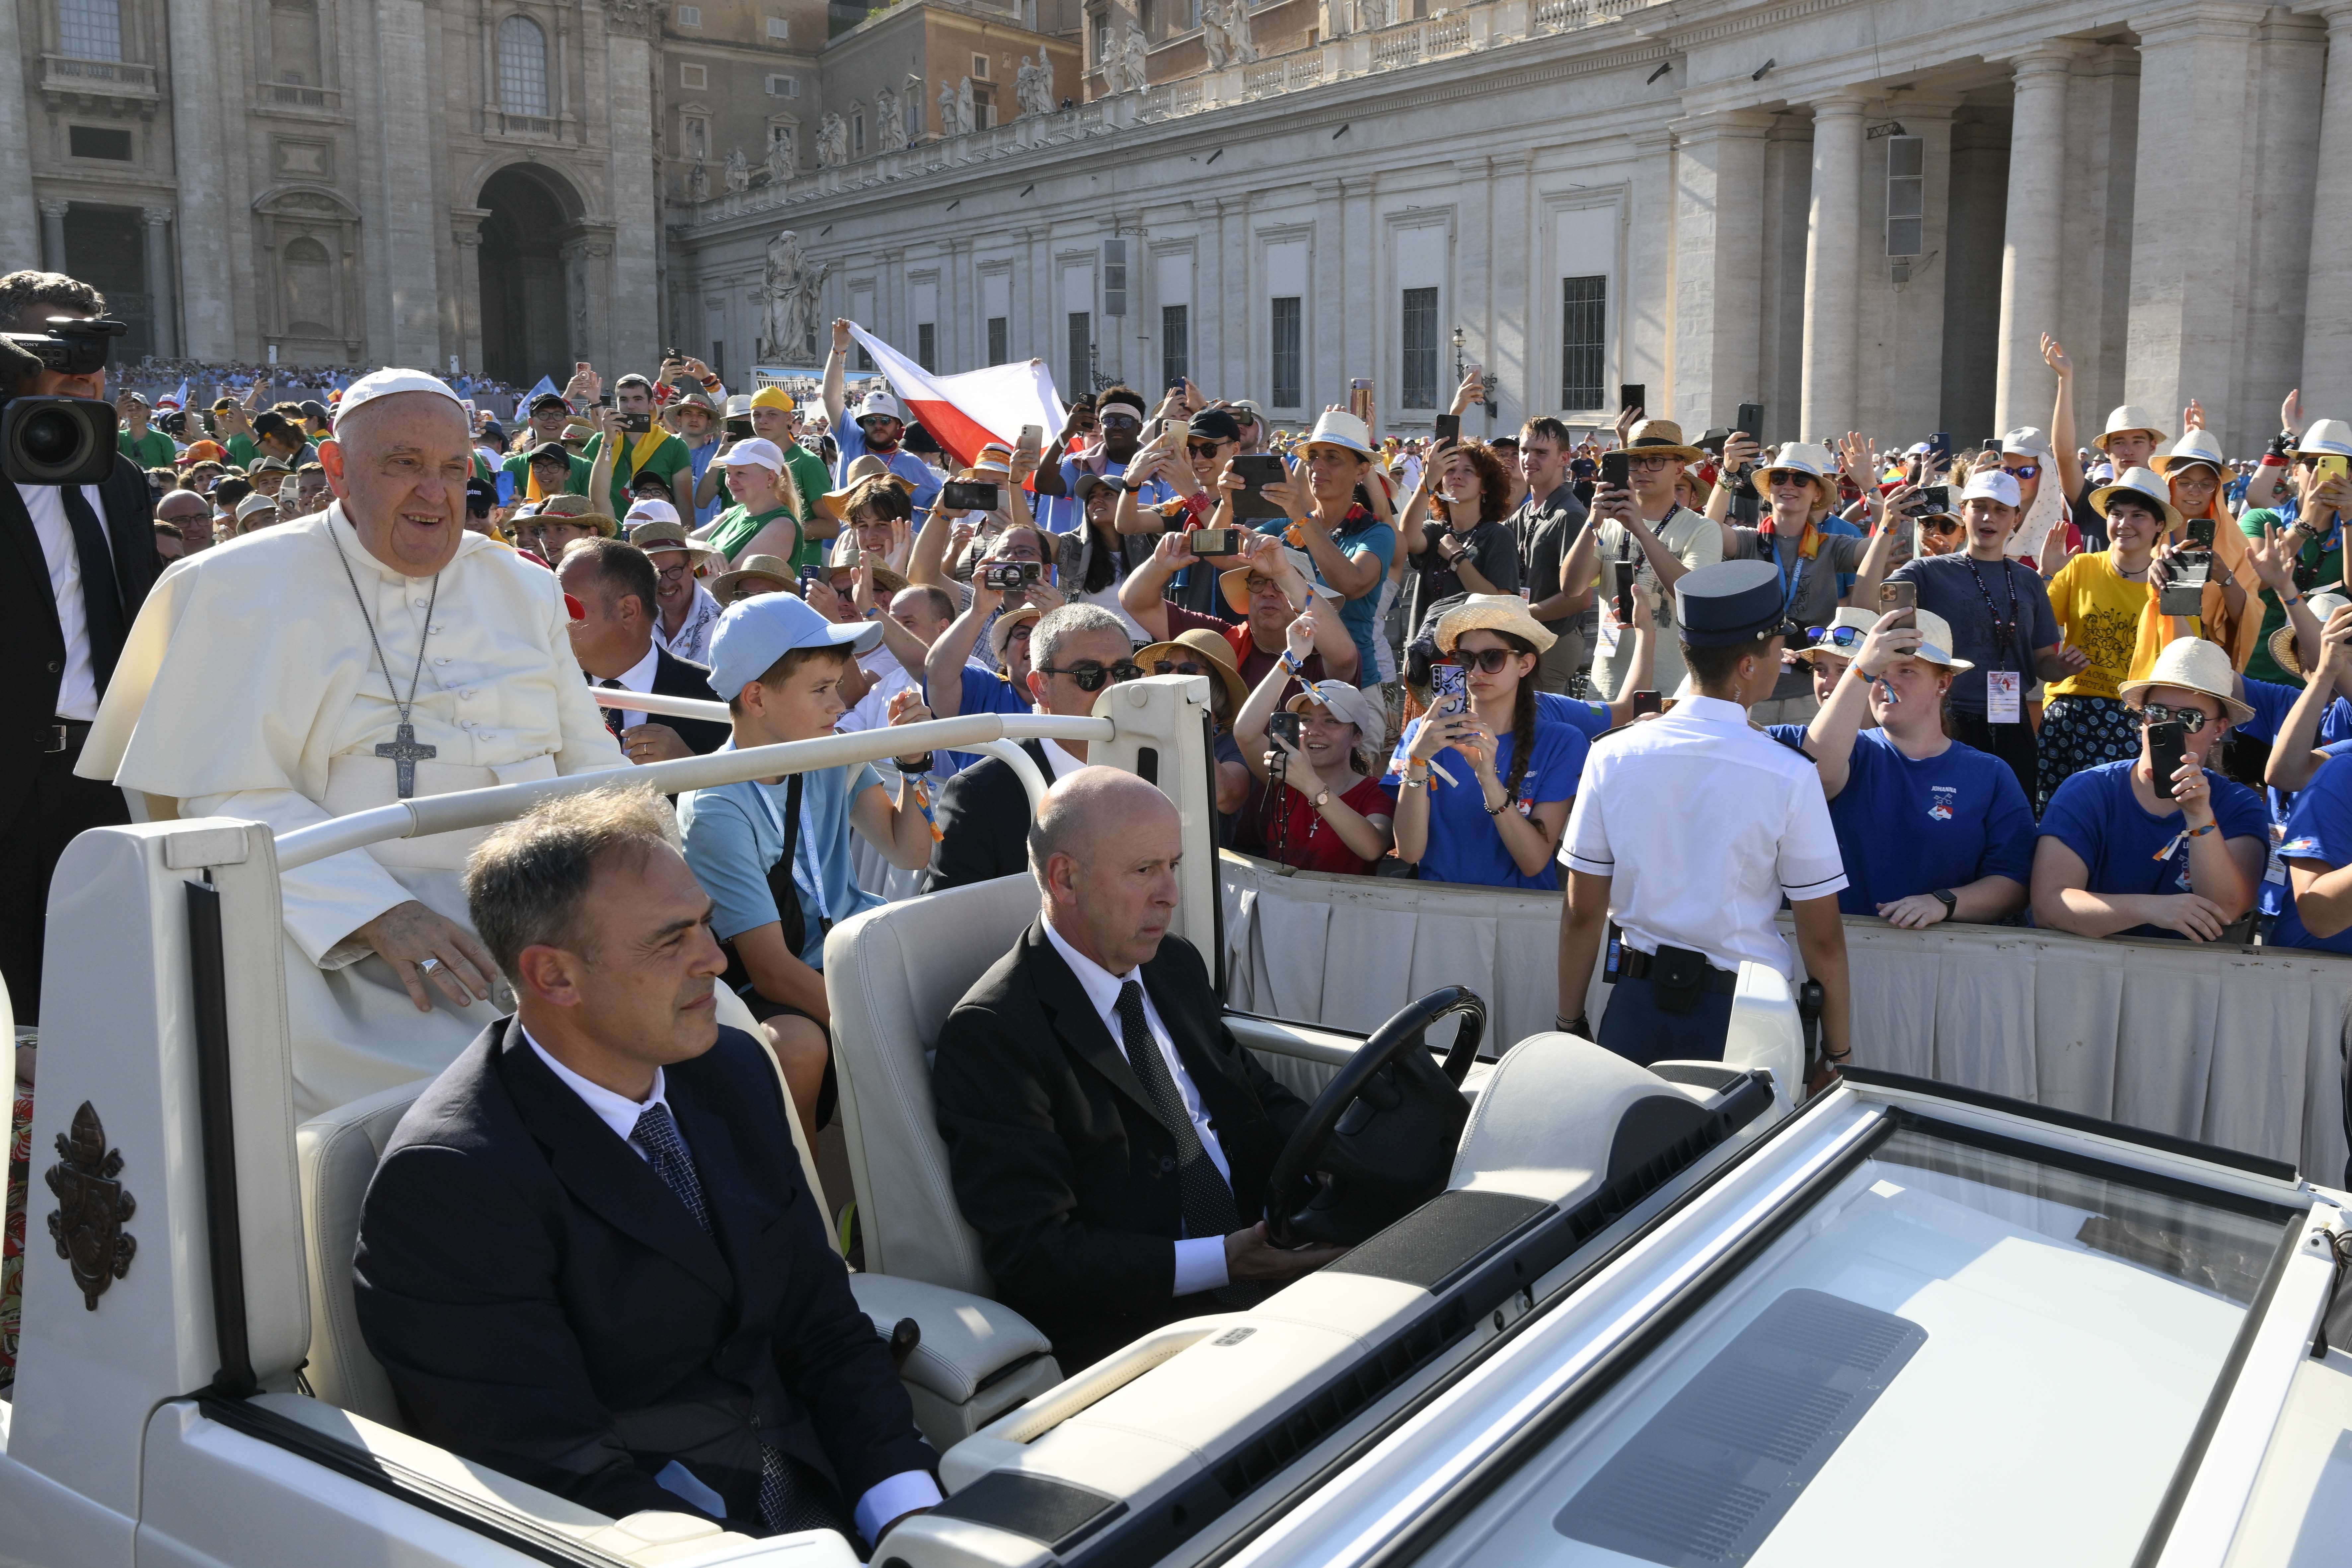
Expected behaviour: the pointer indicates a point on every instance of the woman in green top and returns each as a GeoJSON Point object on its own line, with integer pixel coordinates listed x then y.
{"type": "Point", "coordinates": [2312, 525]}
{"type": "Point", "coordinates": [765, 518]}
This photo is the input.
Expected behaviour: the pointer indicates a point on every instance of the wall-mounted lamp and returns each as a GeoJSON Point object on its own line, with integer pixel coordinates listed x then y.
{"type": "Point", "coordinates": [1662, 70]}
{"type": "Point", "coordinates": [1767, 66]}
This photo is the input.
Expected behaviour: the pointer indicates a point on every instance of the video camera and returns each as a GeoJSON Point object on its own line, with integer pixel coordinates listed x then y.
{"type": "Point", "coordinates": [58, 440]}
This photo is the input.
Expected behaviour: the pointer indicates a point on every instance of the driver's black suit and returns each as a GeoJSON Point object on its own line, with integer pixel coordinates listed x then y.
{"type": "Point", "coordinates": [1058, 1159]}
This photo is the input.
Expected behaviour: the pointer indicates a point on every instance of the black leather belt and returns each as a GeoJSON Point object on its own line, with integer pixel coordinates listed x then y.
{"type": "Point", "coordinates": [65, 735]}
{"type": "Point", "coordinates": [1634, 965]}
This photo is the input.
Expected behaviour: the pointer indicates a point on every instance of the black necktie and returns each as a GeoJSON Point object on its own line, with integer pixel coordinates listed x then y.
{"type": "Point", "coordinates": [1205, 1197]}
{"type": "Point", "coordinates": [612, 715]}
{"type": "Point", "coordinates": [103, 621]}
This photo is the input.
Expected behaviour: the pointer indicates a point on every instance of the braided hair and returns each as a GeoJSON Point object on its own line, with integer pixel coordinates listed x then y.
{"type": "Point", "coordinates": [1523, 719]}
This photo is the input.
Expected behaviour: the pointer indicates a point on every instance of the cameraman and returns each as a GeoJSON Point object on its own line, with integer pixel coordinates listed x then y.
{"type": "Point", "coordinates": [67, 621]}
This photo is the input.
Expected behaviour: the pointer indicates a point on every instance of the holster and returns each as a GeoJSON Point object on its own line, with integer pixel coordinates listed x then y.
{"type": "Point", "coordinates": [1677, 976]}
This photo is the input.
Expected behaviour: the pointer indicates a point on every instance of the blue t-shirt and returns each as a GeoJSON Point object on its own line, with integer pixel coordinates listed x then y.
{"type": "Point", "coordinates": [1592, 720]}
{"type": "Point", "coordinates": [2095, 814]}
{"type": "Point", "coordinates": [850, 441]}
{"type": "Point", "coordinates": [735, 834]}
{"type": "Point", "coordinates": [2319, 827]}
{"type": "Point", "coordinates": [1905, 826]}
{"type": "Point", "coordinates": [985, 691]}
{"type": "Point", "coordinates": [2270, 701]}
{"type": "Point", "coordinates": [1960, 588]}
{"type": "Point", "coordinates": [1464, 846]}
{"type": "Point", "coordinates": [1793, 737]}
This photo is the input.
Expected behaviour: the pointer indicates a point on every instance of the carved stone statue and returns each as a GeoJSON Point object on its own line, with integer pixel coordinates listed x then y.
{"type": "Point", "coordinates": [831, 143]}
{"type": "Point", "coordinates": [953, 109]}
{"type": "Point", "coordinates": [784, 154]}
{"type": "Point", "coordinates": [789, 287]}
{"type": "Point", "coordinates": [738, 171]}
{"type": "Point", "coordinates": [1124, 69]}
{"type": "Point", "coordinates": [967, 115]}
{"type": "Point", "coordinates": [1225, 33]}
{"type": "Point", "coordinates": [1032, 84]}
{"type": "Point", "coordinates": [698, 182]}
{"type": "Point", "coordinates": [889, 121]}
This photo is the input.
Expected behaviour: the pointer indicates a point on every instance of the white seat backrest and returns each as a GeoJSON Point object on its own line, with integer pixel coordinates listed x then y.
{"type": "Point", "coordinates": [891, 976]}
{"type": "Point", "coordinates": [337, 1153]}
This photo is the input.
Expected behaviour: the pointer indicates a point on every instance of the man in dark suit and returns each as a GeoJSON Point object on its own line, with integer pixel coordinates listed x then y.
{"type": "Point", "coordinates": [982, 812]}
{"type": "Point", "coordinates": [614, 581]}
{"type": "Point", "coordinates": [1106, 1136]}
{"type": "Point", "coordinates": [76, 566]}
{"type": "Point", "coordinates": [589, 1258]}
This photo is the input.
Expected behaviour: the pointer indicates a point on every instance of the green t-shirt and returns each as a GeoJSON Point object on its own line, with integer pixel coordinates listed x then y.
{"type": "Point", "coordinates": [519, 465]}
{"type": "Point", "coordinates": [666, 460]}
{"type": "Point", "coordinates": [733, 529]}
{"type": "Point", "coordinates": [2325, 554]}
{"type": "Point", "coordinates": [153, 450]}
{"type": "Point", "coordinates": [809, 478]}
{"type": "Point", "coordinates": [242, 452]}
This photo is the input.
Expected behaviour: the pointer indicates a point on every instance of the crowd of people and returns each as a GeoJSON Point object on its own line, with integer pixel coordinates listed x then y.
{"type": "Point", "coordinates": [1671, 675]}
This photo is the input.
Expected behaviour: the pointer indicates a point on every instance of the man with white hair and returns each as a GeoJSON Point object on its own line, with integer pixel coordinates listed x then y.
{"type": "Point", "coordinates": [373, 651]}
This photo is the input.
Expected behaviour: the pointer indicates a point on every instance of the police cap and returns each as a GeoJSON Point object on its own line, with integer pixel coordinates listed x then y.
{"type": "Point", "coordinates": [1729, 603]}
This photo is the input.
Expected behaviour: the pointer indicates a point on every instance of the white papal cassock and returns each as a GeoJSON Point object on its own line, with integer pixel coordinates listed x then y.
{"type": "Point", "coordinates": [249, 688]}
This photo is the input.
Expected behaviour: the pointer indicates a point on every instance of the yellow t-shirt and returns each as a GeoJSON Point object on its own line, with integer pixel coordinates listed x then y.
{"type": "Point", "coordinates": [2099, 613]}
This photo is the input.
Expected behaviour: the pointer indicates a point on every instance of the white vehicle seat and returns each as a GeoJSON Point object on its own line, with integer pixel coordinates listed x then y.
{"type": "Point", "coordinates": [892, 975]}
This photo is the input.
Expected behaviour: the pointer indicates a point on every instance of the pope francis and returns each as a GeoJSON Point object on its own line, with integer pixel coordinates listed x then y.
{"type": "Point", "coordinates": [319, 667]}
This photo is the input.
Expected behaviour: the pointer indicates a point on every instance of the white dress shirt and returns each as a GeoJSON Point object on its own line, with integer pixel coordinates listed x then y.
{"type": "Point", "coordinates": [1200, 1259]}
{"type": "Point", "coordinates": [78, 689]}
{"type": "Point", "coordinates": [887, 1498]}
{"type": "Point", "coordinates": [1702, 823]}
{"type": "Point", "coordinates": [639, 676]}
{"type": "Point", "coordinates": [1060, 766]}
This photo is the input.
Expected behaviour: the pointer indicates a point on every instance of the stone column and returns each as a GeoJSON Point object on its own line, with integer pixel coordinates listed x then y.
{"type": "Point", "coordinates": [200, 168]}
{"type": "Point", "coordinates": [1718, 263]}
{"type": "Point", "coordinates": [20, 224]}
{"type": "Point", "coordinates": [1329, 337]}
{"type": "Point", "coordinates": [636, 204]}
{"type": "Point", "coordinates": [161, 297]}
{"type": "Point", "coordinates": [1833, 268]}
{"type": "Point", "coordinates": [2327, 306]}
{"type": "Point", "coordinates": [2033, 233]}
{"type": "Point", "coordinates": [407, 239]}
{"type": "Point", "coordinates": [2284, 161]}
{"type": "Point", "coordinates": [465, 237]}
{"type": "Point", "coordinates": [1647, 354]}
{"type": "Point", "coordinates": [53, 235]}
{"type": "Point", "coordinates": [1515, 313]}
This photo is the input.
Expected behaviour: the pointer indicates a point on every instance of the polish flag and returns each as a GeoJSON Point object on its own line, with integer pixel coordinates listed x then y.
{"type": "Point", "coordinates": [963, 412]}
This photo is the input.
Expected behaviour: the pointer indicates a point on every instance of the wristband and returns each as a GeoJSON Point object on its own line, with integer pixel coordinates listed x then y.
{"type": "Point", "coordinates": [1579, 1026]}
{"type": "Point", "coordinates": [2281, 445]}
{"type": "Point", "coordinates": [913, 765]}
{"type": "Point", "coordinates": [1290, 662]}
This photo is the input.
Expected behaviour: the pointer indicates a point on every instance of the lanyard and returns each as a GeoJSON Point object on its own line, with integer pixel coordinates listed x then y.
{"type": "Point", "coordinates": [2003, 632]}
{"type": "Point", "coordinates": [1790, 581]}
{"type": "Point", "coordinates": [814, 886]}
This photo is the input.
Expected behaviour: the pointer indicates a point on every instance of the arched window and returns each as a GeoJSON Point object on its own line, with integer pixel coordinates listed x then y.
{"type": "Point", "coordinates": [309, 275]}
{"type": "Point", "coordinates": [522, 67]}
{"type": "Point", "coordinates": [91, 29]}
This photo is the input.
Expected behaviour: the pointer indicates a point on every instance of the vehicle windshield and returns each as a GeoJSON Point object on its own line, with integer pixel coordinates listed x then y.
{"type": "Point", "coordinates": [1960, 1353]}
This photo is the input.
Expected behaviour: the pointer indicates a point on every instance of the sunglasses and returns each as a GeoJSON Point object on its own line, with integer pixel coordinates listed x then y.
{"type": "Point", "coordinates": [2025, 471]}
{"type": "Point", "coordinates": [1128, 421]}
{"type": "Point", "coordinates": [1835, 637]}
{"type": "Point", "coordinates": [1094, 676]}
{"type": "Point", "coordinates": [1487, 660]}
{"type": "Point", "coordinates": [1939, 525]}
{"type": "Point", "coordinates": [1202, 448]}
{"type": "Point", "coordinates": [2190, 720]}
{"type": "Point", "coordinates": [1169, 666]}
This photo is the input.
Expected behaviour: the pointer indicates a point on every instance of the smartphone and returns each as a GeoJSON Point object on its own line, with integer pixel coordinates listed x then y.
{"type": "Point", "coordinates": [740, 429]}
{"type": "Point", "coordinates": [1751, 420]}
{"type": "Point", "coordinates": [672, 354]}
{"type": "Point", "coordinates": [1283, 726]}
{"type": "Point", "coordinates": [580, 366]}
{"type": "Point", "coordinates": [2200, 533]}
{"type": "Point", "coordinates": [811, 575]}
{"type": "Point", "coordinates": [1359, 398]}
{"type": "Point", "coordinates": [1210, 543]}
{"type": "Point", "coordinates": [1633, 395]}
{"type": "Point", "coordinates": [1257, 470]}
{"type": "Point", "coordinates": [1648, 702]}
{"type": "Point", "coordinates": [1449, 427]}
{"type": "Point", "coordinates": [1449, 688]}
{"type": "Point", "coordinates": [2329, 468]}
{"type": "Point", "coordinates": [1032, 439]}
{"type": "Point", "coordinates": [1616, 470]}
{"type": "Point", "coordinates": [636, 424]}
{"type": "Point", "coordinates": [2167, 748]}
{"type": "Point", "coordinates": [1903, 596]}
{"type": "Point", "coordinates": [1938, 497]}
{"type": "Point", "coordinates": [970, 495]}
{"type": "Point", "coordinates": [1940, 448]}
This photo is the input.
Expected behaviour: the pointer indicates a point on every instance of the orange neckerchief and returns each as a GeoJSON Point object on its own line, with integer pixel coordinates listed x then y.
{"type": "Point", "coordinates": [2156, 630]}
{"type": "Point", "coordinates": [1809, 543]}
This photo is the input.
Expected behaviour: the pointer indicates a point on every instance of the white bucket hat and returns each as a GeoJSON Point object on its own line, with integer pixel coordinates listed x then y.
{"type": "Point", "coordinates": [2025, 441]}
{"type": "Point", "coordinates": [2325, 437]}
{"type": "Point", "coordinates": [1993, 485]}
{"type": "Point", "coordinates": [2142, 484]}
{"type": "Point", "coordinates": [2194, 446]}
{"type": "Point", "coordinates": [1807, 458]}
{"type": "Point", "coordinates": [2126, 416]}
{"type": "Point", "coordinates": [1338, 427]}
{"type": "Point", "coordinates": [881, 405]}
{"type": "Point", "coordinates": [2193, 664]}
{"type": "Point", "coordinates": [650, 511]}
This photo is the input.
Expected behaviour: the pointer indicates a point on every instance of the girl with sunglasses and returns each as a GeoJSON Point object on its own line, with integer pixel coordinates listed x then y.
{"type": "Point", "coordinates": [1323, 809]}
{"type": "Point", "coordinates": [1497, 821]}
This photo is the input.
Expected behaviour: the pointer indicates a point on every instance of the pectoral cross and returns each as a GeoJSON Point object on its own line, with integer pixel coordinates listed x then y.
{"type": "Point", "coordinates": [405, 752]}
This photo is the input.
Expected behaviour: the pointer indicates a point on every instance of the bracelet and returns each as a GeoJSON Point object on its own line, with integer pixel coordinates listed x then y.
{"type": "Point", "coordinates": [911, 765]}
{"type": "Point", "coordinates": [1413, 782]}
{"type": "Point", "coordinates": [1499, 808]}
{"type": "Point", "coordinates": [1578, 1026]}
{"type": "Point", "coordinates": [1845, 1056]}
{"type": "Point", "coordinates": [2291, 603]}
{"type": "Point", "coordinates": [1290, 661]}
{"type": "Point", "coordinates": [2201, 832]}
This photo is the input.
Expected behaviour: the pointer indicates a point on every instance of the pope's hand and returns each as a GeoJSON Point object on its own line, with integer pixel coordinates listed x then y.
{"type": "Point", "coordinates": [409, 935]}
{"type": "Point", "coordinates": [653, 744]}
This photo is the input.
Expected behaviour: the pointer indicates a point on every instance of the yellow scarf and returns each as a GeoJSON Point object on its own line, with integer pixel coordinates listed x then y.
{"type": "Point", "coordinates": [646, 446]}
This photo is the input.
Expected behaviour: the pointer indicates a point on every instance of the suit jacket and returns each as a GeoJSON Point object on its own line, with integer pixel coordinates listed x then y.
{"type": "Point", "coordinates": [33, 653]}
{"type": "Point", "coordinates": [983, 815]}
{"type": "Point", "coordinates": [1056, 1158]}
{"type": "Point", "coordinates": [545, 1305]}
{"type": "Point", "coordinates": [676, 677]}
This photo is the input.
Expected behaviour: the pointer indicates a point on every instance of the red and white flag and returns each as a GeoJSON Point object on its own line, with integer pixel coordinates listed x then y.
{"type": "Point", "coordinates": [964, 412]}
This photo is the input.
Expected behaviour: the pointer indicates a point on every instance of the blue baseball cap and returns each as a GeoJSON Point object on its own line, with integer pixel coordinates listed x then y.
{"type": "Point", "coordinates": [756, 632]}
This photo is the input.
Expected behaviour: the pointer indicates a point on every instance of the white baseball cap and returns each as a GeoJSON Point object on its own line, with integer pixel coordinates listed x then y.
{"type": "Point", "coordinates": [755, 453]}
{"type": "Point", "coordinates": [391, 383]}
{"type": "Point", "coordinates": [881, 405]}
{"type": "Point", "coordinates": [1995, 485]}
{"type": "Point", "coordinates": [650, 511]}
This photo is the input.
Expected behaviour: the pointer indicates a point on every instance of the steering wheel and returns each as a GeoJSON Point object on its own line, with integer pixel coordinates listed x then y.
{"type": "Point", "coordinates": [1382, 1134]}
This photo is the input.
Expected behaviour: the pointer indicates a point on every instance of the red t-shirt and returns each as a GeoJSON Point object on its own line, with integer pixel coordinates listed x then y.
{"type": "Point", "coordinates": [1307, 841]}
{"type": "Point", "coordinates": [1253, 661]}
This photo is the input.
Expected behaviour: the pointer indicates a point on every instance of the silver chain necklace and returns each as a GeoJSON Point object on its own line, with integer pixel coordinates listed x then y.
{"type": "Point", "coordinates": [403, 749]}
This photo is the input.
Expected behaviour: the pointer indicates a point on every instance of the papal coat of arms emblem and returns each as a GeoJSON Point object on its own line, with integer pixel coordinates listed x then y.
{"type": "Point", "coordinates": [93, 1208]}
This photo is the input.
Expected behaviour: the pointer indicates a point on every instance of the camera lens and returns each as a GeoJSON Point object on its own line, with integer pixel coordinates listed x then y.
{"type": "Point", "coordinates": [51, 437]}
{"type": "Point", "coordinates": [61, 440]}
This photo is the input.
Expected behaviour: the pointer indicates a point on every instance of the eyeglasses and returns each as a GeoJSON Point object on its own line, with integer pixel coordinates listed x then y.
{"type": "Point", "coordinates": [1169, 666]}
{"type": "Point", "coordinates": [671, 574]}
{"type": "Point", "coordinates": [1093, 677]}
{"type": "Point", "coordinates": [2190, 720]}
{"type": "Point", "coordinates": [1649, 465]}
{"type": "Point", "coordinates": [1486, 660]}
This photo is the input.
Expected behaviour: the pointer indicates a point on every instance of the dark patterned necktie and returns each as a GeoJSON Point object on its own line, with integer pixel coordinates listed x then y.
{"type": "Point", "coordinates": [656, 1134]}
{"type": "Point", "coordinates": [1206, 1199]}
{"type": "Point", "coordinates": [612, 715]}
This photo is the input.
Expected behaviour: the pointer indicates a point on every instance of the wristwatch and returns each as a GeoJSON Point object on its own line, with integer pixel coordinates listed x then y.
{"type": "Point", "coordinates": [1949, 900]}
{"type": "Point", "coordinates": [1323, 799]}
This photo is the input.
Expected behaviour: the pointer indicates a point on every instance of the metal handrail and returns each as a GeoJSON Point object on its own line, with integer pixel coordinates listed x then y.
{"type": "Point", "coordinates": [479, 807]}
{"type": "Point", "coordinates": [702, 707]}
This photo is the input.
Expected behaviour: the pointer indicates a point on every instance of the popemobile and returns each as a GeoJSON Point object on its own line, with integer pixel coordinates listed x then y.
{"type": "Point", "coordinates": [1592, 1312]}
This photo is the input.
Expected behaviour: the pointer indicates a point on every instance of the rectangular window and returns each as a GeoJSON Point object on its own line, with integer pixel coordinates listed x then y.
{"type": "Point", "coordinates": [690, 16]}
{"type": "Point", "coordinates": [1082, 351]}
{"type": "Point", "coordinates": [865, 360]}
{"type": "Point", "coordinates": [857, 135]}
{"type": "Point", "coordinates": [780, 86]}
{"type": "Point", "coordinates": [1284, 322]}
{"type": "Point", "coordinates": [1420, 342]}
{"type": "Point", "coordinates": [780, 30]}
{"type": "Point", "coordinates": [1000, 346]}
{"type": "Point", "coordinates": [718, 360]}
{"type": "Point", "coordinates": [927, 346]}
{"type": "Point", "coordinates": [693, 76]}
{"type": "Point", "coordinates": [1907, 194]}
{"type": "Point", "coordinates": [91, 29]}
{"type": "Point", "coordinates": [98, 142]}
{"type": "Point", "coordinates": [1176, 341]}
{"type": "Point", "coordinates": [1583, 341]}
{"type": "Point", "coordinates": [980, 68]}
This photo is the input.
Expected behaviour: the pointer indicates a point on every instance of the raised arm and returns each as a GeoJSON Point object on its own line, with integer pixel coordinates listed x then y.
{"type": "Point", "coordinates": [943, 662]}
{"type": "Point", "coordinates": [2061, 421]}
{"type": "Point", "coordinates": [836, 374]}
{"type": "Point", "coordinates": [1830, 736]}
{"type": "Point", "coordinates": [1143, 595]}
{"type": "Point", "coordinates": [2293, 758]}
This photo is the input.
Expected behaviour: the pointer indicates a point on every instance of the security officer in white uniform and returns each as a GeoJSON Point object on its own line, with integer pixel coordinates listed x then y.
{"type": "Point", "coordinates": [1688, 829]}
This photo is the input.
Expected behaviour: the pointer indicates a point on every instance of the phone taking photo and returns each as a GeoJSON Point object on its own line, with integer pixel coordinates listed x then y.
{"type": "Point", "coordinates": [1648, 702]}
{"type": "Point", "coordinates": [1449, 690]}
{"type": "Point", "coordinates": [1256, 470]}
{"type": "Point", "coordinates": [969, 495]}
{"type": "Point", "coordinates": [2167, 748]}
{"type": "Point", "coordinates": [1617, 470]}
{"type": "Point", "coordinates": [1902, 596]}
{"type": "Point", "coordinates": [1449, 427]}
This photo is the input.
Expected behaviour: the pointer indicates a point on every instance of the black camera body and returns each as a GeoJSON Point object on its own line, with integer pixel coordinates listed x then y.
{"type": "Point", "coordinates": [74, 345]}
{"type": "Point", "coordinates": [59, 440]}
{"type": "Point", "coordinates": [2192, 569]}
{"type": "Point", "coordinates": [1006, 576]}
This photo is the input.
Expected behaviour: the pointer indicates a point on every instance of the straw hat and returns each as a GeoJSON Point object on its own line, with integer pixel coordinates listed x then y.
{"type": "Point", "coordinates": [2193, 664]}
{"type": "Point", "coordinates": [1204, 644]}
{"type": "Point", "coordinates": [1344, 703]}
{"type": "Point", "coordinates": [888, 580]}
{"type": "Point", "coordinates": [652, 536]}
{"type": "Point", "coordinates": [1662, 435]}
{"type": "Point", "coordinates": [835, 504]}
{"type": "Point", "coordinates": [1001, 631]}
{"type": "Point", "coordinates": [1494, 613]}
{"type": "Point", "coordinates": [1935, 642]}
{"type": "Point", "coordinates": [2193, 447]}
{"type": "Point", "coordinates": [1237, 591]}
{"type": "Point", "coordinates": [1338, 427]}
{"type": "Point", "coordinates": [767, 568]}
{"type": "Point", "coordinates": [2282, 649]}
{"type": "Point", "coordinates": [2326, 438]}
{"type": "Point", "coordinates": [2125, 417]}
{"type": "Point", "coordinates": [580, 509]}
{"type": "Point", "coordinates": [2140, 484]}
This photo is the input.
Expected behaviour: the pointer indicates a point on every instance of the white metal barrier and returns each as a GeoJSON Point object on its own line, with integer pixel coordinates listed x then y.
{"type": "Point", "coordinates": [2243, 1048]}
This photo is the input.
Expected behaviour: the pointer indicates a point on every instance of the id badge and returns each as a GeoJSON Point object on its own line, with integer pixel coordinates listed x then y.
{"type": "Point", "coordinates": [2004, 696]}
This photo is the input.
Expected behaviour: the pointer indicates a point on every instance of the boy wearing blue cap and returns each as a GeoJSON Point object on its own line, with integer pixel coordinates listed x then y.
{"type": "Point", "coordinates": [773, 854]}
